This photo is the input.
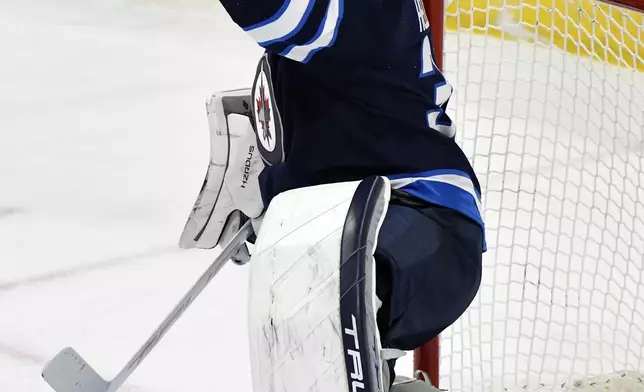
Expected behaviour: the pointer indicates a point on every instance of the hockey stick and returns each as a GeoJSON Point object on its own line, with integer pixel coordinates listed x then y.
{"type": "Point", "coordinates": [69, 372]}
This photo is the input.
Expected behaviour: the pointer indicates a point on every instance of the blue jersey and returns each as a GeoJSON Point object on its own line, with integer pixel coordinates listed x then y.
{"type": "Point", "coordinates": [359, 94]}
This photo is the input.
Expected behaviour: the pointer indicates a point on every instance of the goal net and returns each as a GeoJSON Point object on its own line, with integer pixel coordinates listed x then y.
{"type": "Point", "coordinates": [549, 104]}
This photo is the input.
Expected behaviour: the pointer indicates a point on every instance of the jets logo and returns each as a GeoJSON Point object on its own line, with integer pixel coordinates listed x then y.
{"type": "Point", "coordinates": [264, 113]}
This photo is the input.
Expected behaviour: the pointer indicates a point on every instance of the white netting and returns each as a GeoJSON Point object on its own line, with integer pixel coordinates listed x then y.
{"type": "Point", "coordinates": [549, 102]}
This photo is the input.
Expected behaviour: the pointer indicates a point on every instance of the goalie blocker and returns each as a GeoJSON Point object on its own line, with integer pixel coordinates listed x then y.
{"type": "Point", "coordinates": [343, 273]}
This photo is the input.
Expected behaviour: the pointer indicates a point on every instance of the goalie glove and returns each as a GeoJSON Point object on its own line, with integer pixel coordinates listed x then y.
{"type": "Point", "coordinates": [230, 193]}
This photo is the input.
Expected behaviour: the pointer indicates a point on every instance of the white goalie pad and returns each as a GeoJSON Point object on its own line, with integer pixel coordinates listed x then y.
{"type": "Point", "coordinates": [312, 310]}
{"type": "Point", "coordinates": [230, 191]}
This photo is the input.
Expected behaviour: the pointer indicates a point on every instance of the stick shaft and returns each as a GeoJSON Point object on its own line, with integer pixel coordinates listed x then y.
{"type": "Point", "coordinates": [233, 245]}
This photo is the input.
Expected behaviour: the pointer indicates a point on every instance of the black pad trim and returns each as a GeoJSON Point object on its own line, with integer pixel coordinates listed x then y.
{"type": "Point", "coordinates": [357, 281]}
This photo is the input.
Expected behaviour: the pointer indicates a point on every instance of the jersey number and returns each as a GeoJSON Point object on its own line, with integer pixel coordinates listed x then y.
{"type": "Point", "coordinates": [436, 118]}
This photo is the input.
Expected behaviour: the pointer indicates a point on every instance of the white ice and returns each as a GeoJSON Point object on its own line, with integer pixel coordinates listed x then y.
{"type": "Point", "coordinates": [103, 148]}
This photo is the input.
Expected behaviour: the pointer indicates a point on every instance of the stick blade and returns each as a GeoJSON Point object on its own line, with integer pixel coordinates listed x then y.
{"type": "Point", "coordinates": [69, 372]}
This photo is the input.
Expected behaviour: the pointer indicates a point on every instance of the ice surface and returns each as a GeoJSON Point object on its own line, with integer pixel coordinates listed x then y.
{"type": "Point", "coordinates": [103, 148]}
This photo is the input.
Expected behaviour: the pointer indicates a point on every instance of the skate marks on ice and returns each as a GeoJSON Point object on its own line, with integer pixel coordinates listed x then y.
{"type": "Point", "coordinates": [33, 359]}
{"type": "Point", "coordinates": [37, 361]}
{"type": "Point", "coordinates": [87, 267]}
{"type": "Point", "coordinates": [7, 212]}
{"type": "Point", "coordinates": [21, 355]}
{"type": "Point", "coordinates": [624, 381]}
{"type": "Point", "coordinates": [46, 300]}
{"type": "Point", "coordinates": [69, 372]}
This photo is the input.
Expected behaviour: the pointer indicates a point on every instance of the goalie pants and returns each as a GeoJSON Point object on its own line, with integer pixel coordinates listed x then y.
{"type": "Point", "coordinates": [428, 270]}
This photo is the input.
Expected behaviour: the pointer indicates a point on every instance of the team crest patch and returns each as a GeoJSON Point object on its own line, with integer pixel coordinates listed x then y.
{"type": "Point", "coordinates": [266, 116]}
{"type": "Point", "coordinates": [263, 114]}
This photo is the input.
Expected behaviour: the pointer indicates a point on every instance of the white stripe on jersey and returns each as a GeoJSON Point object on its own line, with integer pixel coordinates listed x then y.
{"type": "Point", "coordinates": [427, 60]}
{"type": "Point", "coordinates": [323, 38]}
{"type": "Point", "coordinates": [461, 182]}
{"type": "Point", "coordinates": [284, 24]}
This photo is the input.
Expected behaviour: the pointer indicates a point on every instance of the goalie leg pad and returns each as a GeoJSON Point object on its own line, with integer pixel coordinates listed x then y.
{"type": "Point", "coordinates": [312, 310]}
